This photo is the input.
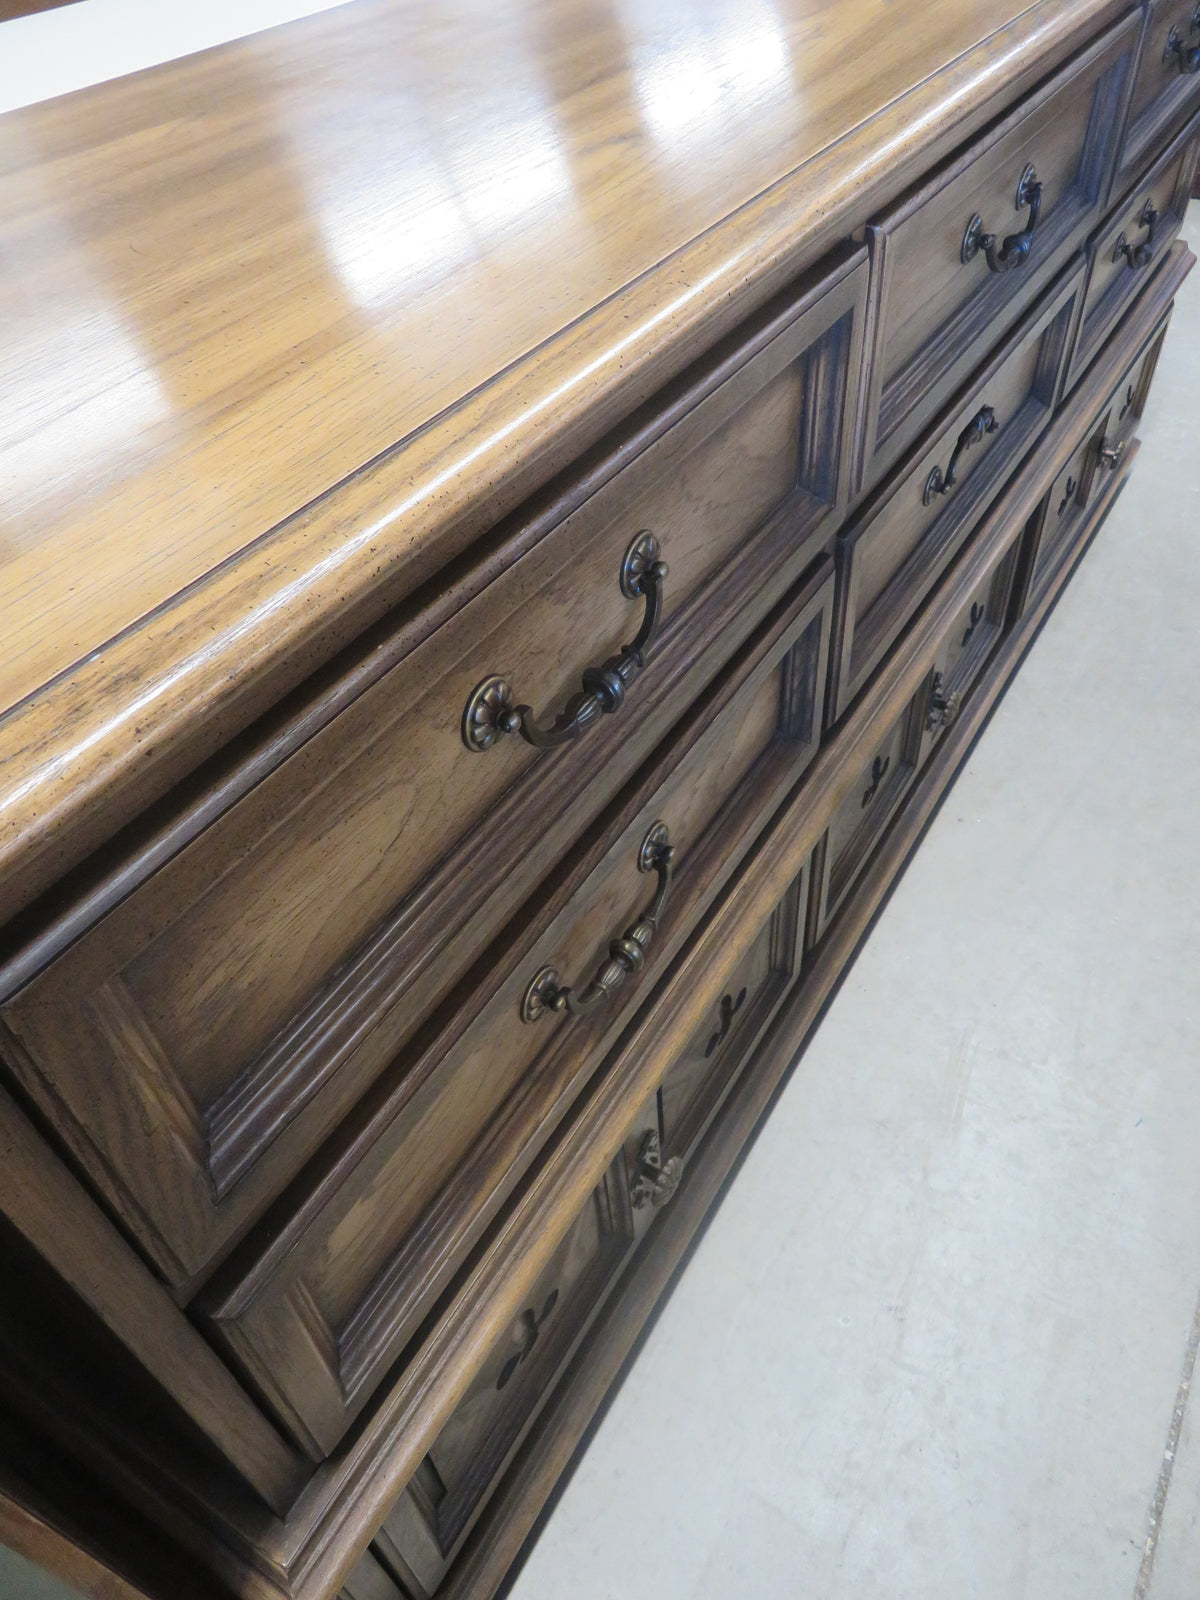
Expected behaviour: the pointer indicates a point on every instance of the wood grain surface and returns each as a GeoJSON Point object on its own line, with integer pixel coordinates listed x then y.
{"type": "Point", "coordinates": [232, 281]}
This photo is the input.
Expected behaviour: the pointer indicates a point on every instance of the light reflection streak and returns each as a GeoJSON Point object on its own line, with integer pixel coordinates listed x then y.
{"type": "Point", "coordinates": [698, 68]}
{"type": "Point", "coordinates": [407, 225]}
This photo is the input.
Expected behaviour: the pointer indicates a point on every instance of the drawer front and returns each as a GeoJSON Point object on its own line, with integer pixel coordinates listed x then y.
{"type": "Point", "coordinates": [859, 821]}
{"type": "Point", "coordinates": [197, 1045]}
{"type": "Point", "coordinates": [1063, 514]}
{"type": "Point", "coordinates": [421, 1533]}
{"type": "Point", "coordinates": [957, 261]}
{"type": "Point", "coordinates": [970, 639]}
{"type": "Point", "coordinates": [707, 1068]}
{"type": "Point", "coordinates": [894, 550]}
{"type": "Point", "coordinates": [424, 1530]}
{"type": "Point", "coordinates": [1139, 233]}
{"type": "Point", "coordinates": [337, 1291]}
{"type": "Point", "coordinates": [1167, 85]}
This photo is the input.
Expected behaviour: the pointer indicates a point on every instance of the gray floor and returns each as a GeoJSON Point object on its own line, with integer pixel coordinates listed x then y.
{"type": "Point", "coordinates": [935, 1343]}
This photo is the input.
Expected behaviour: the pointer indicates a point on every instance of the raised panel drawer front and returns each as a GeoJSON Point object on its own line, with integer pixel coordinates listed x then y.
{"type": "Point", "coordinates": [708, 1066]}
{"type": "Point", "coordinates": [971, 636]}
{"type": "Point", "coordinates": [1166, 88]}
{"type": "Point", "coordinates": [859, 821]}
{"type": "Point", "coordinates": [1140, 231]}
{"type": "Point", "coordinates": [956, 261]}
{"type": "Point", "coordinates": [195, 1047]}
{"type": "Point", "coordinates": [318, 1314]}
{"type": "Point", "coordinates": [1063, 514]}
{"type": "Point", "coordinates": [419, 1537]}
{"type": "Point", "coordinates": [893, 551]}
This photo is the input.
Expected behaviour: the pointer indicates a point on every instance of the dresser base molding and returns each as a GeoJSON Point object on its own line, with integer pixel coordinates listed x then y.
{"type": "Point", "coordinates": [505, 1532]}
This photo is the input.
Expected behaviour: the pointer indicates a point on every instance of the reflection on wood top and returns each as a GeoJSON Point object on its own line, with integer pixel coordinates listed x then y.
{"type": "Point", "coordinates": [449, 241]}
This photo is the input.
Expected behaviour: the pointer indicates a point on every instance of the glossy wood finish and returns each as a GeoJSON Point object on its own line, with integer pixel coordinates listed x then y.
{"type": "Point", "coordinates": [159, 349]}
{"type": "Point", "coordinates": [389, 853]}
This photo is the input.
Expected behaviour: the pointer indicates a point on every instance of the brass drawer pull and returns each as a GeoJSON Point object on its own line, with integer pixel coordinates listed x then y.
{"type": "Point", "coordinates": [655, 1180]}
{"type": "Point", "coordinates": [983, 422]}
{"type": "Point", "coordinates": [1013, 251]}
{"type": "Point", "coordinates": [491, 713]}
{"type": "Point", "coordinates": [943, 708]}
{"type": "Point", "coordinates": [1139, 255]}
{"type": "Point", "coordinates": [1109, 456]}
{"type": "Point", "coordinates": [1188, 56]}
{"type": "Point", "coordinates": [626, 955]}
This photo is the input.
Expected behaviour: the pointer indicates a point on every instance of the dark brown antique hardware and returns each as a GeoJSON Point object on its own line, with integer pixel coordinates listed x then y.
{"type": "Point", "coordinates": [1139, 255]}
{"type": "Point", "coordinates": [878, 772]}
{"type": "Point", "coordinates": [654, 1180]}
{"type": "Point", "coordinates": [529, 1326]}
{"type": "Point", "coordinates": [1188, 56]}
{"type": "Point", "coordinates": [1110, 456]}
{"type": "Point", "coordinates": [627, 955]}
{"type": "Point", "coordinates": [983, 422]}
{"type": "Point", "coordinates": [1013, 251]}
{"type": "Point", "coordinates": [943, 707]}
{"type": "Point", "coordinates": [491, 711]}
{"type": "Point", "coordinates": [1069, 489]}
{"type": "Point", "coordinates": [978, 612]}
{"type": "Point", "coordinates": [729, 1009]}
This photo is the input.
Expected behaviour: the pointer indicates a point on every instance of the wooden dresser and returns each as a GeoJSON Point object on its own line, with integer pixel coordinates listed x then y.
{"type": "Point", "coordinates": [513, 518]}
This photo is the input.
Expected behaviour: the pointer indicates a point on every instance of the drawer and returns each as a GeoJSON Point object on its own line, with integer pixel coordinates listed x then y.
{"type": "Point", "coordinates": [1062, 516]}
{"type": "Point", "coordinates": [893, 551]}
{"type": "Point", "coordinates": [708, 1066]}
{"type": "Point", "coordinates": [321, 1304]}
{"type": "Point", "coordinates": [969, 641]}
{"type": "Point", "coordinates": [860, 820]}
{"type": "Point", "coordinates": [1166, 87]}
{"type": "Point", "coordinates": [1136, 236]}
{"type": "Point", "coordinates": [195, 1047]}
{"type": "Point", "coordinates": [956, 261]}
{"type": "Point", "coordinates": [419, 1537]}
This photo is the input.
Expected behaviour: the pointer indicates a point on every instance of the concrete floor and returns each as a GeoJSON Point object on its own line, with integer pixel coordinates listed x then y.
{"type": "Point", "coordinates": [937, 1341]}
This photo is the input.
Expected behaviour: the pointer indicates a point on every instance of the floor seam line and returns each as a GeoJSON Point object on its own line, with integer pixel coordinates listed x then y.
{"type": "Point", "coordinates": [1141, 1589]}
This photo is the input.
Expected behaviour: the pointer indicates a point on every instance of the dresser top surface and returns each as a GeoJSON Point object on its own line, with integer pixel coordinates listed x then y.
{"type": "Point", "coordinates": [421, 237]}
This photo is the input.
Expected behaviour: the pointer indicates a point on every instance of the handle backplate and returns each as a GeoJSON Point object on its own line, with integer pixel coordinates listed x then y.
{"type": "Point", "coordinates": [626, 954]}
{"type": "Point", "coordinates": [943, 708]}
{"type": "Point", "coordinates": [1142, 253]}
{"type": "Point", "coordinates": [654, 1180]}
{"type": "Point", "coordinates": [939, 482]}
{"type": "Point", "coordinates": [1003, 255]}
